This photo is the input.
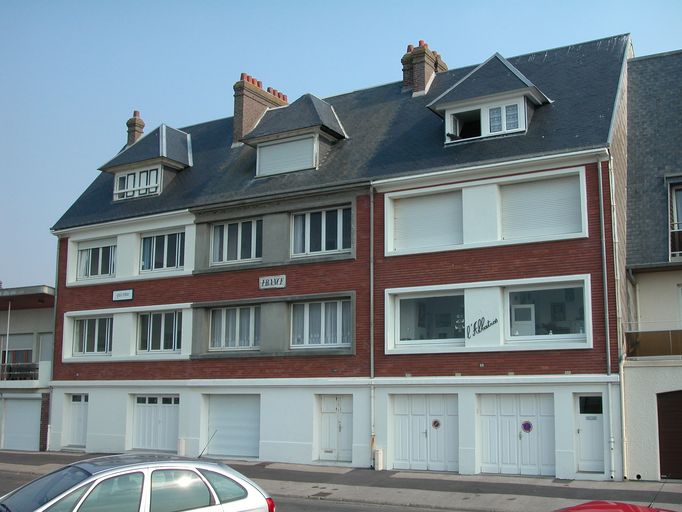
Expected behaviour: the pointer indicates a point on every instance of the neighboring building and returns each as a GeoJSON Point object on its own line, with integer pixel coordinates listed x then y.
{"type": "Point", "coordinates": [27, 321]}
{"type": "Point", "coordinates": [419, 275]}
{"type": "Point", "coordinates": [653, 367]}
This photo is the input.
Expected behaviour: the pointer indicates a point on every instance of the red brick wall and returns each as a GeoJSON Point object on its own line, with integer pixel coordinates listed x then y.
{"type": "Point", "coordinates": [337, 276]}
{"type": "Point", "coordinates": [581, 256]}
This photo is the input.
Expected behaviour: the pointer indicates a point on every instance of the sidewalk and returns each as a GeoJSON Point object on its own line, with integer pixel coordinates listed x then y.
{"type": "Point", "coordinates": [445, 491]}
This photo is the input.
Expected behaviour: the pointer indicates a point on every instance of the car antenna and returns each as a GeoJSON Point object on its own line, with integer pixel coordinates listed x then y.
{"type": "Point", "coordinates": [656, 495]}
{"type": "Point", "coordinates": [209, 442]}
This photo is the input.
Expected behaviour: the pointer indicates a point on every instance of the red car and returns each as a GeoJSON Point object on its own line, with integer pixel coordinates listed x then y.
{"type": "Point", "coordinates": [611, 506]}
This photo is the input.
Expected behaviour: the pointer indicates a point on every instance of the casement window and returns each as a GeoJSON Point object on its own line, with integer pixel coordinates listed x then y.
{"type": "Point", "coordinates": [163, 252]}
{"type": "Point", "coordinates": [96, 259]}
{"type": "Point", "coordinates": [287, 156]}
{"type": "Point", "coordinates": [235, 328]}
{"type": "Point", "coordinates": [326, 323]}
{"type": "Point", "coordinates": [237, 241]}
{"type": "Point", "coordinates": [431, 319]}
{"type": "Point", "coordinates": [160, 331]}
{"type": "Point", "coordinates": [541, 208]}
{"type": "Point", "coordinates": [93, 335]}
{"type": "Point", "coordinates": [676, 223]}
{"type": "Point", "coordinates": [139, 183]}
{"type": "Point", "coordinates": [428, 221]}
{"type": "Point", "coordinates": [547, 312]}
{"type": "Point", "coordinates": [321, 231]}
{"type": "Point", "coordinates": [486, 120]}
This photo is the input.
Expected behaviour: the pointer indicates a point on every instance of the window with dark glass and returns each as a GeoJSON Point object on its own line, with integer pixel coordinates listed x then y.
{"type": "Point", "coordinates": [162, 252]}
{"type": "Point", "coordinates": [237, 241]}
{"type": "Point", "coordinates": [160, 331]}
{"type": "Point", "coordinates": [322, 231]}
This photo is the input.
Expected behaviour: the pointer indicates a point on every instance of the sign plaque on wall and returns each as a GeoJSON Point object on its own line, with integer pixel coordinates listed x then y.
{"type": "Point", "coordinates": [267, 282]}
{"type": "Point", "coordinates": [122, 295]}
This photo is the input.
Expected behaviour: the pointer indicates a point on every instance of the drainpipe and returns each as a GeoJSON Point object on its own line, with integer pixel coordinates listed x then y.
{"type": "Point", "coordinates": [371, 326]}
{"type": "Point", "coordinates": [9, 313]}
{"type": "Point", "coordinates": [607, 326]}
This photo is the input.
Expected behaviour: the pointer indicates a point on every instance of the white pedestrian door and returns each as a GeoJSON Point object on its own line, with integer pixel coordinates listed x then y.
{"type": "Point", "coordinates": [234, 425]}
{"type": "Point", "coordinates": [516, 434]}
{"type": "Point", "coordinates": [590, 434]}
{"type": "Point", "coordinates": [79, 420]}
{"type": "Point", "coordinates": [336, 423]}
{"type": "Point", "coordinates": [156, 423]}
{"type": "Point", "coordinates": [426, 432]}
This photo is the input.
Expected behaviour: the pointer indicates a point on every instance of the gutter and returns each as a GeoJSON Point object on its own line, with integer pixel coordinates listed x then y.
{"type": "Point", "coordinates": [372, 399]}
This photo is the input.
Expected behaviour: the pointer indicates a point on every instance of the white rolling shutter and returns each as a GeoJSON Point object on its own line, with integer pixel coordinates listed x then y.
{"type": "Point", "coordinates": [234, 425]}
{"type": "Point", "coordinates": [428, 221]}
{"type": "Point", "coordinates": [292, 155]}
{"type": "Point", "coordinates": [541, 208]}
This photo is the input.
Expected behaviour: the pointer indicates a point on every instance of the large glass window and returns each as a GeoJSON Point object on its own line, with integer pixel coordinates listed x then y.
{"type": "Point", "coordinates": [431, 318]}
{"type": "Point", "coordinates": [321, 323]}
{"type": "Point", "coordinates": [554, 311]}
{"type": "Point", "coordinates": [160, 331]}
{"type": "Point", "coordinates": [235, 328]}
{"type": "Point", "coordinates": [93, 335]}
{"type": "Point", "coordinates": [96, 261]}
{"type": "Point", "coordinates": [236, 241]}
{"type": "Point", "coordinates": [117, 494]}
{"type": "Point", "coordinates": [174, 490]}
{"type": "Point", "coordinates": [161, 252]}
{"type": "Point", "coordinates": [322, 231]}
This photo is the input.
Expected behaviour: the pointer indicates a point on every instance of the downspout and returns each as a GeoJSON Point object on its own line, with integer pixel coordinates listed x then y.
{"type": "Point", "coordinates": [371, 327]}
{"type": "Point", "coordinates": [9, 313]}
{"type": "Point", "coordinates": [607, 326]}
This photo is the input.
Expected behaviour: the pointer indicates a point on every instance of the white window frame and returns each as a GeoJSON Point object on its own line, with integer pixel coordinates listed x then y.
{"type": "Point", "coordinates": [177, 336]}
{"type": "Point", "coordinates": [254, 241]}
{"type": "Point", "coordinates": [179, 251]}
{"type": "Point", "coordinates": [581, 337]}
{"type": "Point", "coordinates": [133, 186]}
{"type": "Point", "coordinates": [338, 304]}
{"type": "Point", "coordinates": [84, 256]}
{"type": "Point", "coordinates": [459, 342]}
{"type": "Point", "coordinates": [78, 330]}
{"type": "Point", "coordinates": [485, 108]}
{"type": "Point", "coordinates": [314, 156]}
{"type": "Point", "coordinates": [392, 344]}
{"type": "Point", "coordinates": [253, 342]}
{"type": "Point", "coordinates": [389, 214]}
{"type": "Point", "coordinates": [339, 231]}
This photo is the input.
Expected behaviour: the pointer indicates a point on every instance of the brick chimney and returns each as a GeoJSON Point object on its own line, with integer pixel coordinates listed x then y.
{"type": "Point", "coordinates": [135, 128]}
{"type": "Point", "coordinates": [420, 64]}
{"type": "Point", "coordinates": [250, 102]}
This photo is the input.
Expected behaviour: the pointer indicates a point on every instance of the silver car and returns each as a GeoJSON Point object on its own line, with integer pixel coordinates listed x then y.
{"type": "Point", "coordinates": [140, 483]}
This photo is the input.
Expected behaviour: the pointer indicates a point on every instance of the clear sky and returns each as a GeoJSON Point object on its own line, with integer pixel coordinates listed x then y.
{"type": "Point", "coordinates": [72, 72]}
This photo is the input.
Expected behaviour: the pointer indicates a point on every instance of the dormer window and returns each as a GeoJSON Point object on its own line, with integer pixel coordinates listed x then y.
{"type": "Point", "coordinates": [288, 155]}
{"type": "Point", "coordinates": [487, 120]}
{"type": "Point", "coordinates": [144, 182]}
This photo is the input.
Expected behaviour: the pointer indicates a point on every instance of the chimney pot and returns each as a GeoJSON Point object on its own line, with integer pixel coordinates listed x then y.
{"type": "Point", "coordinates": [422, 43]}
{"type": "Point", "coordinates": [410, 47]}
{"type": "Point", "coordinates": [135, 128]}
{"type": "Point", "coordinates": [270, 90]}
{"type": "Point", "coordinates": [260, 84]}
{"type": "Point", "coordinates": [242, 76]}
{"type": "Point", "coordinates": [285, 98]}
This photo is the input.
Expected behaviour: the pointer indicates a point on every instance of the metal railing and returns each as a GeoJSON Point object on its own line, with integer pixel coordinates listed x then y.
{"type": "Point", "coordinates": [654, 343]}
{"type": "Point", "coordinates": [19, 371]}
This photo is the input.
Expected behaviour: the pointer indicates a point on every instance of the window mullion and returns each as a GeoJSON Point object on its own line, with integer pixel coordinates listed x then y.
{"type": "Point", "coordinates": [307, 233]}
{"type": "Point", "coordinates": [239, 241]}
{"type": "Point", "coordinates": [323, 231]}
{"type": "Point", "coordinates": [253, 239]}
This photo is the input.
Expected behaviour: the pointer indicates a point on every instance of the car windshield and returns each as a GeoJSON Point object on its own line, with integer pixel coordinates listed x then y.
{"type": "Point", "coordinates": [42, 490]}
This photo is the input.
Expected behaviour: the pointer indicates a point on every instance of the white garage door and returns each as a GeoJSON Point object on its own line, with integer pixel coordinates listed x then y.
{"type": "Point", "coordinates": [156, 422]}
{"type": "Point", "coordinates": [21, 424]}
{"type": "Point", "coordinates": [516, 434]}
{"type": "Point", "coordinates": [425, 432]}
{"type": "Point", "coordinates": [234, 425]}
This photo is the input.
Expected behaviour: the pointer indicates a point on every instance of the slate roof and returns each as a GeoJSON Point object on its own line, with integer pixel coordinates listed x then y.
{"type": "Point", "coordinates": [496, 75]}
{"type": "Point", "coordinates": [164, 141]}
{"type": "Point", "coordinates": [308, 111]}
{"type": "Point", "coordinates": [390, 133]}
{"type": "Point", "coordinates": [654, 153]}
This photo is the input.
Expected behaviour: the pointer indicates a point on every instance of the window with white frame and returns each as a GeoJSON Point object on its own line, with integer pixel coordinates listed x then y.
{"type": "Point", "coordinates": [140, 183]}
{"type": "Point", "coordinates": [431, 319]}
{"type": "Point", "coordinates": [550, 312]}
{"type": "Point", "coordinates": [96, 259]}
{"type": "Point", "coordinates": [160, 331]}
{"type": "Point", "coordinates": [163, 252]}
{"type": "Point", "coordinates": [486, 120]}
{"type": "Point", "coordinates": [321, 231]}
{"type": "Point", "coordinates": [237, 241]}
{"type": "Point", "coordinates": [324, 323]}
{"type": "Point", "coordinates": [428, 221]}
{"type": "Point", "coordinates": [676, 222]}
{"type": "Point", "coordinates": [235, 328]}
{"type": "Point", "coordinates": [287, 156]}
{"type": "Point", "coordinates": [93, 335]}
